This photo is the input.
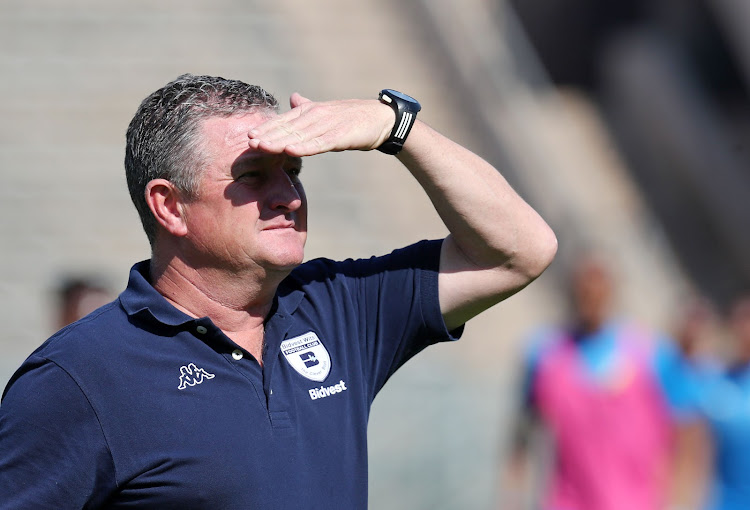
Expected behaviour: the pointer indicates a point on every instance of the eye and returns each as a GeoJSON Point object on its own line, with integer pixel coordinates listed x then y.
{"type": "Point", "coordinates": [252, 177]}
{"type": "Point", "coordinates": [293, 167]}
{"type": "Point", "coordinates": [252, 174]}
{"type": "Point", "coordinates": [295, 171]}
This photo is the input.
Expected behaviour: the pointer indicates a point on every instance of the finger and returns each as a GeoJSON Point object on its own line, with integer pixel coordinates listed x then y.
{"type": "Point", "coordinates": [282, 136]}
{"type": "Point", "coordinates": [297, 119]}
{"type": "Point", "coordinates": [287, 133]}
{"type": "Point", "coordinates": [297, 99]}
{"type": "Point", "coordinates": [317, 145]}
{"type": "Point", "coordinates": [282, 131]}
{"type": "Point", "coordinates": [306, 142]}
{"type": "Point", "coordinates": [272, 123]}
{"type": "Point", "coordinates": [328, 141]}
{"type": "Point", "coordinates": [267, 147]}
{"type": "Point", "coordinates": [293, 147]}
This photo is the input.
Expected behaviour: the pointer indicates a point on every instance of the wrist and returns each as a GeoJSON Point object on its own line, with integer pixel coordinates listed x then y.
{"type": "Point", "coordinates": [388, 117]}
{"type": "Point", "coordinates": [405, 109]}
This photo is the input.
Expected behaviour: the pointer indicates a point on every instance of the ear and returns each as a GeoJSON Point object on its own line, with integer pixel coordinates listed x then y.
{"type": "Point", "coordinates": [166, 205]}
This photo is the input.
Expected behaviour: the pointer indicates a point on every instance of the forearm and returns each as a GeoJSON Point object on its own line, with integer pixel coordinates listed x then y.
{"type": "Point", "coordinates": [491, 224]}
{"type": "Point", "coordinates": [518, 474]}
{"type": "Point", "coordinates": [494, 233]}
{"type": "Point", "coordinates": [497, 242]}
{"type": "Point", "coordinates": [690, 470]}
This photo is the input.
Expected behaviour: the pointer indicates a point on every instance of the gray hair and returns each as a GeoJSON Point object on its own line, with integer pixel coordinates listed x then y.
{"type": "Point", "coordinates": [163, 139]}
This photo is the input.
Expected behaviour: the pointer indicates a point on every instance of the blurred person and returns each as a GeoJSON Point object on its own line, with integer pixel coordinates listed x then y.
{"type": "Point", "coordinates": [696, 333]}
{"type": "Point", "coordinates": [696, 336]}
{"type": "Point", "coordinates": [598, 390]}
{"type": "Point", "coordinates": [77, 297]}
{"type": "Point", "coordinates": [229, 374]}
{"type": "Point", "coordinates": [725, 403]}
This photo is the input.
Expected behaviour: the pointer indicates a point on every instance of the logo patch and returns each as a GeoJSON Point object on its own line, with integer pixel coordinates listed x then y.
{"type": "Point", "coordinates": [308, 356]}
{"type": "Point", "coordinates": [190, 375]}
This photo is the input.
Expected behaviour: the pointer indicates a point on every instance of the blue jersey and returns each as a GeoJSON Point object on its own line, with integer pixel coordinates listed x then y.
{"type": "Point", "coordinates": [140, 405]}
{"type": "Point", "coordinates": [725, 401]}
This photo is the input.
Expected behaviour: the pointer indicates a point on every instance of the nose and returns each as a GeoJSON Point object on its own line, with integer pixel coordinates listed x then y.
{"type": "Point", "coordinates": [286, 193]}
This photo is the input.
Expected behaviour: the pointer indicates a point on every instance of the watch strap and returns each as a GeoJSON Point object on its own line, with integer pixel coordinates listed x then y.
{"type": "Point", "coordinates": [406, 114]}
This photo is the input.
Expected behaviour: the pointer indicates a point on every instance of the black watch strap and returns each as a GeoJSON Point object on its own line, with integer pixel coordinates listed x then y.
{"type": "Point", "coordinates": [406, 109]}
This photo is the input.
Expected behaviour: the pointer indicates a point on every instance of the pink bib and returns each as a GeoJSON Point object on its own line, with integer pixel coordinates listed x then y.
{"type": "Point", "coordinates": [612, 434]}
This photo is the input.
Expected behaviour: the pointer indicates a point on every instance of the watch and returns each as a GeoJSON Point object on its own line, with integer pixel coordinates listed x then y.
{"type": "Point", "coordinates": [406, 108]}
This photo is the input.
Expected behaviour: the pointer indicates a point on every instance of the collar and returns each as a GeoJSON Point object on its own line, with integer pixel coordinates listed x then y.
{"type": "Point", "coordinates": [140, 299]}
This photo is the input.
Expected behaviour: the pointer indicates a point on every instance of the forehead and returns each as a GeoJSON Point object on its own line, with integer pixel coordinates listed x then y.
{"type": "Point", "coordinates": [228, 135]}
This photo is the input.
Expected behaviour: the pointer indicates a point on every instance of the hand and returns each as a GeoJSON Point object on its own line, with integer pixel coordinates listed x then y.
{"type": "Point", "coordinates": [313, 128]}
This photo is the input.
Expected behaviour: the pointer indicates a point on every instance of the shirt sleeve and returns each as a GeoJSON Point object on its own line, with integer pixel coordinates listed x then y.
{"type": "Point", "coordinates": [400, 308]}
{"type": "Point", "coordinates": [52, 450]}
{"type": "Point", "coordinates": [679, 379]}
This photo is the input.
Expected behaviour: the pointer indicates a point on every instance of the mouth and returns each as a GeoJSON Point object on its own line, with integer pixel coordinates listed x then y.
{"type": "Point", "coordinates": [281, 225]}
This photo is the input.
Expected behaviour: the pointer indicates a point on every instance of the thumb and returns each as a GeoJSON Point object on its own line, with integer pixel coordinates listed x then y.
{"type": "Point", "coordinates": [297, 100]}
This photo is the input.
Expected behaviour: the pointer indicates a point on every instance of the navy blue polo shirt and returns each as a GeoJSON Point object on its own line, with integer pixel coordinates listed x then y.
{"type": "Point", "coordinates": [140, 405]}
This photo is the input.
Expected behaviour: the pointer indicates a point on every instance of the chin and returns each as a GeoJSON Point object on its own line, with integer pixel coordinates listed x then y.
{"type": "Point", "coordinates": [281, 270]}
{"type": "Point", "coordinates": [286, 261]}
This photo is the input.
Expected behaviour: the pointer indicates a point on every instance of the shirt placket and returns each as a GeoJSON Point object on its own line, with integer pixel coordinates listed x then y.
{"type": "Point", "coordinates": [278, 404]}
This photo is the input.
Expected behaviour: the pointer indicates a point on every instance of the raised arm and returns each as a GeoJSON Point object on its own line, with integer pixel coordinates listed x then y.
{"type": "Point", "coordinates": [497, 244]}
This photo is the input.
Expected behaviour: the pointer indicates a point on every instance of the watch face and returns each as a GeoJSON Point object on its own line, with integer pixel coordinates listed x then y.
{"type": "Point", "coordinates": [402, 96]}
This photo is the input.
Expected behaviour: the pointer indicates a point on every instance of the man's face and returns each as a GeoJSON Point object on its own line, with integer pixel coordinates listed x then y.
{"type": "Point", "coordinates": [592, 293]}
{"type": "Point", "coordinates": [739, 323]}
{"type": "Point", "coordinates": [251, 210]}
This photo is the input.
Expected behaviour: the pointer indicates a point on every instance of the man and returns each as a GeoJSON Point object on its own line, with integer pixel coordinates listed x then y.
{"type": "Point", "coordinates": [609, 395]}
{"type": "Point", "coordinates": [227, 375]}
{"type": "Point", "coordinates": [77, 297]}
{"type": "Point", "coordinates": [723, 403]}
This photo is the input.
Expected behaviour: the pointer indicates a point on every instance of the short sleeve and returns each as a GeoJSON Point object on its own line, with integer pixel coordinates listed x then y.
{"type": "Point", "coordinates": [52, 449]}
{"type": "Point", "coordinates": [400, 308]}
{"type": "Point", "coordinates": [679, 379]}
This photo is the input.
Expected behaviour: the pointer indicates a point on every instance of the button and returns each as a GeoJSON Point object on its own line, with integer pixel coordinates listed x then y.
{"type": "Point", "coordinates": [202, 330]}
{"type": "Point", "coordinates": [237, 354]}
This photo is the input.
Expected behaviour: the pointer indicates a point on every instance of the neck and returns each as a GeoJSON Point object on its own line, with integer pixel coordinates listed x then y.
{"type": "Point", "coordinates": [237, 303]}
{"type": "Point", "coordinates": [584, 327]}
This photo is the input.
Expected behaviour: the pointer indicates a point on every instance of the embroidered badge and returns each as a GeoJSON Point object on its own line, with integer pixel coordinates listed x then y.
{"type": "Point", "coordinates": [190, 375]}
{"type": "Point", "coordinates": [308, 356]}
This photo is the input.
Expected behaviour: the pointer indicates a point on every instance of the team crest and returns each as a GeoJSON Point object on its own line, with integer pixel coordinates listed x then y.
{"type": "Point", "coordinates": [308, 356]}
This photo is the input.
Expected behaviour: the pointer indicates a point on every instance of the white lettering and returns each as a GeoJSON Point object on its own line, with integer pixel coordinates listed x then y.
{"type": "Point", "coordinates": [327, 391]}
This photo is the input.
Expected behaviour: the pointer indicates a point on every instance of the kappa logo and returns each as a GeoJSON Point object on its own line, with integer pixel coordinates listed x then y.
{"type": "Point", "coordinates": [308, 356]}
{"type": "Point", "coordinates": [190, 375]}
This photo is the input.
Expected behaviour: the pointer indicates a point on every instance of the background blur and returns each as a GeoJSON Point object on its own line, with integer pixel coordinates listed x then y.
{"type": "Point", "coordinates": [625, 123]}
